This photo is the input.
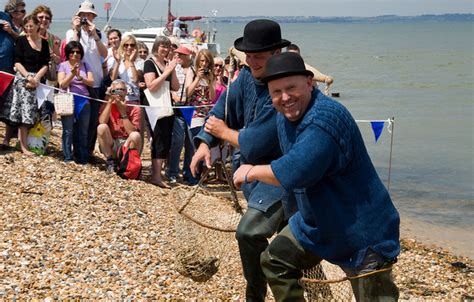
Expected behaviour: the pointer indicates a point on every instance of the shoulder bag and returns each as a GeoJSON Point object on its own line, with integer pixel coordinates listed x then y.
{"type": "Point", "coordinates": [161, 98]}
{"type": "Point", "coordinates": [64, 103]}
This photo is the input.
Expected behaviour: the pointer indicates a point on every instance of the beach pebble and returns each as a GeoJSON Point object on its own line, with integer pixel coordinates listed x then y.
{"type": "Point", "coordinates": [73, 232]}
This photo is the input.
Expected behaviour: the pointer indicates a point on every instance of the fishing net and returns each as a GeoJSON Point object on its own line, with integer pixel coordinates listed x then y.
{"type": "Point", "coordinates": [326, 282]}
{"type": "Point", "coordinates": [205, 227]}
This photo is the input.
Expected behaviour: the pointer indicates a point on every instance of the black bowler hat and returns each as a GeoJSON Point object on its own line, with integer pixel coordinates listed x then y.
{"type": "Point", "coordinates": [261, 35]}
{"type": "Point", "coordinates": [283, 65]}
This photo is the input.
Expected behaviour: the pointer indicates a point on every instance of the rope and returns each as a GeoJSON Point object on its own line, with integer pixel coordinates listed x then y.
{"type": "Point", "coordinates": [392, 125]}
{"type": "Point", "coordinates": [127, 104]}
{"type": "Point", "coordinates": [236, 204]}
{"type": "Point", "coordinates": [309, 280]}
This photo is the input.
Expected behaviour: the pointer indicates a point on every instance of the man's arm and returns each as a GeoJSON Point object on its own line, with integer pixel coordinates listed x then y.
{"type": "Point", "coordinates": [105, 114]}
{"type": "Point", "coordinates": [303, 166]}
{"type": "Point", "coordinates": [234, 121]}
{"type": "Point", "coordinates": [248, 173]}
{"type": "Point", "coordinates": [313, 156]}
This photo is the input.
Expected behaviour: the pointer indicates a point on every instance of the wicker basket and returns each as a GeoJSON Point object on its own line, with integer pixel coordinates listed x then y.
{"type": "Point", "coordinates": [64, 103]}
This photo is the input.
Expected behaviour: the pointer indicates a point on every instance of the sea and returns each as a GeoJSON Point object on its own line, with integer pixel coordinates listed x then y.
{"type": "Point", "coordinates": [421, 75]}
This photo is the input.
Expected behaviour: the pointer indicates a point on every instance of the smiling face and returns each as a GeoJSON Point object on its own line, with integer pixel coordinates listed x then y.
{"type": "Point", "coordinates": [218, 66]}
{"type": "Point", "coordinates": [31, 27]}
{"type": "Point", "coordinates": [256, 61]}
{"type": "Point", "coordinates": [128, 45]}
{"type": "Point", "coordinates": [291, 95]}
{"type": "Point", "coordinates": [75, 55]}
{"type": "Point", "coordinates": [44, 20]}
{"type": "Point", "coordinates": [163, 50]}
{"type": "Point", "coordinates": [143, 53]}
{"type": "Point", "coordinates": [113, 39]}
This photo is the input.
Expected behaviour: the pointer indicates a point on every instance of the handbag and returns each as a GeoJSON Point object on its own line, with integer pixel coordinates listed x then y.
{"type": "Point", "coordinates": [161, 98]}
{"type": "Point", "coordinates": [64, 103]}
{"type": "Point", "coordinates": [52, 74]}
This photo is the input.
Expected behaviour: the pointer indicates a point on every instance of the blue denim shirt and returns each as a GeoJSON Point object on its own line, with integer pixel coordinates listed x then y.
{"type": "Point", "coordinates": [250, 110]}
{"type": "Point", "coordinates": [343, 206]}
{"type": "Point", "coordinates": [7, 46]}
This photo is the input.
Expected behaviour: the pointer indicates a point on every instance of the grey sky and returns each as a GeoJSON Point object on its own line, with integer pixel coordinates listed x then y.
{"type": "Point", "coordinates": [322, 8]}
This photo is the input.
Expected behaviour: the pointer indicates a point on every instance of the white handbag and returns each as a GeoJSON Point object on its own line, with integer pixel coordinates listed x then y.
{"type": "Point", "coordinates": [64, 103]}
{"type": "Point", "coordinates": [161, 98]}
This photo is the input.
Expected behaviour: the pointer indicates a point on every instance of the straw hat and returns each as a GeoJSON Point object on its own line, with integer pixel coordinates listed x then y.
{"type": "Point", "coordinates": [86, 7]}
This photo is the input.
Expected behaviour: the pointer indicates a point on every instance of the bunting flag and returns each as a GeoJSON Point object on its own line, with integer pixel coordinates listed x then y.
{"type": "Point", "coordinates": [153, 115]}
{"type": "Point", "coordinates": [43, 93]}
{"type": "Point", "coordinates": [188, 113]}
{"type": "Point", "coordinates": [377, 127]}
{"type": "Point", "coordinates": [79, 103]}
{"type": "Point", "coordinates": [5, 80]}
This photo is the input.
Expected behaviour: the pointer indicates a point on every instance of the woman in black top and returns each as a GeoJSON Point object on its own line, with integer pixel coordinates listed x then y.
{"type": "Point", "coordinates": [31, 62]}
{"type": "Point", "coordinates": [164, 127]}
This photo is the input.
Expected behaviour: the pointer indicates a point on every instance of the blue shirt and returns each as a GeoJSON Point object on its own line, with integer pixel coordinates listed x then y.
{"type": "Point", "coordinates": [343, 206]}
{"type": "Point", "coordinates": [7, 46]}
{"type": "Point", "coordinates": [250, 111]}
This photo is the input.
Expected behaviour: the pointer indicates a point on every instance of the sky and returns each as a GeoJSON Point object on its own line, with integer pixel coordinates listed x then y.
{"type": "Point", "coordinates": [321, 8]}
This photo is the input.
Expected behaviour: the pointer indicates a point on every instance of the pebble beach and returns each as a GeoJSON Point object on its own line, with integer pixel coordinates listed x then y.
{"type": "Point", "coordinates": [74, 232]}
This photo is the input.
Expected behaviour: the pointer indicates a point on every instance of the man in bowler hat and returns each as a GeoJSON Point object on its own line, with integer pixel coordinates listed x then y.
{"type": "Point", "coordinates": [344, 213]}
{"type": "Point", "coordinates": [248, 122]}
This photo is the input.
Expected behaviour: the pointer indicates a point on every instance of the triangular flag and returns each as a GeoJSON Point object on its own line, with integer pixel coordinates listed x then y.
{"type": "Point", "coordinates": [79, 102]}
{"type": "Point", "coordinates": [377, 127]}
{"type": "Point", "coordinates": [153, 115]}
{"type": "Point", "coordinates": [42, 94]}
{"type": "Point", "coordinates": [188, 113]}
{"type": "Point", "coordinates": [5, 80]}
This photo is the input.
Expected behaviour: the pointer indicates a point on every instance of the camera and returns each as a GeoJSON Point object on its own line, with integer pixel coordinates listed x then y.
{"type": "Point", "coordinates": [84, 21]}
{"type": "Point", "coordinates": [118, 91]}
{"type": "Point", "coordinates": [206, 71]}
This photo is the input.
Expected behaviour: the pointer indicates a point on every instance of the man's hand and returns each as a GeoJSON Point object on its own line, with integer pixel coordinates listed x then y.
{"type": "Point", "coordinates": [120, 102]}
{"type": "Point", "coordinates": [216, 127]}
{"type": "Point", "coordinates": [76, 23]}
{"type": "Point", "coordinates": [202, 153]}
{"type": "Point", "coordinates": [241, 174]}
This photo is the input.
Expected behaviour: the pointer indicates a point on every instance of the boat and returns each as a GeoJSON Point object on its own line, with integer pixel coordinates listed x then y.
{"type": "Point", "coordinates": [193, 38]}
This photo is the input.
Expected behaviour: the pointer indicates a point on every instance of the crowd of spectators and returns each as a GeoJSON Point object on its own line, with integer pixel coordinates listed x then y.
{"type": "Point", "coordinates": [107, 74]}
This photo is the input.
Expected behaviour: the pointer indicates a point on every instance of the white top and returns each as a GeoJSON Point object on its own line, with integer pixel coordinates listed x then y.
{"type": "Point", "coordinates": [91, 54]}
{"type": "Point", "coordinates": [133, 92]}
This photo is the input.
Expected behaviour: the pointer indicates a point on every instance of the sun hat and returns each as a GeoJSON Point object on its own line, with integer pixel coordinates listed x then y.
{"type": "Point", "coordinates": [183, 50]}
{"type": "Point", "coordinates": [283, 65]}
{"type": "Point", "coordinates": [86, 7]}
{"type": "Point", "coordinates": [261, 35]}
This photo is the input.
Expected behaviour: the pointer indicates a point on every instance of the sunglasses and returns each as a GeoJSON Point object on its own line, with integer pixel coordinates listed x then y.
{"type": "Point", "coordinates": [219, 65]}
{"type": "Point", "coordinates": [142, 51]}
{"type": "Point", "coordinates": [128, 45]}
{"type": "Point", "coordinates": [44, 17]}
{"type": "Point", "coordinates": [75, 52]}
{"type": "Point", "coordinates": [23, 11]}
